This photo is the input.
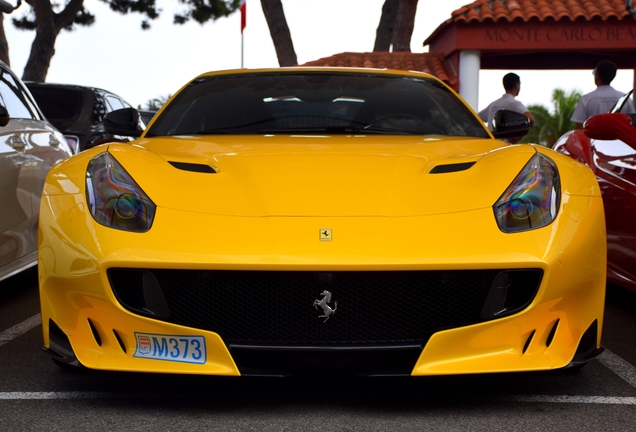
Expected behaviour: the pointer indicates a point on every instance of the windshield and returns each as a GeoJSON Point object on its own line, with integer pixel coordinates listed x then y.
{"type": "Point", "coordinates": [319, 102]}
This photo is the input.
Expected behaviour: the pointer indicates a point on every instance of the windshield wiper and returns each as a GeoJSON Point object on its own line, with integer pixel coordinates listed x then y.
{"type": "Point", "coordinates": [385, 131]}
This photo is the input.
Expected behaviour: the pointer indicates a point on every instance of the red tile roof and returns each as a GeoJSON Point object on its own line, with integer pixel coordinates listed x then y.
{"type": "Point", "coordinates": [432, 63]}
{"type": "Point", "coordinates": [541, 10]}
{"type": "Point", "coordinates": [510, 10]}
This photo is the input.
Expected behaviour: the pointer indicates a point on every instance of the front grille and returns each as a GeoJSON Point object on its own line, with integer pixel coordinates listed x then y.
{"type": "Point", "coordinates": [276, 308]}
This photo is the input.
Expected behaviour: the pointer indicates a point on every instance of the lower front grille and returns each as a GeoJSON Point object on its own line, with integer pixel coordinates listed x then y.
{"type": "Point", "coordinates": [277, 308]}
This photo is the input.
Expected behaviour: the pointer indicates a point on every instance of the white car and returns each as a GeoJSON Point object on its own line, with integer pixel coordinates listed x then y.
{"type": "Point", "coordinates": [29, 147]}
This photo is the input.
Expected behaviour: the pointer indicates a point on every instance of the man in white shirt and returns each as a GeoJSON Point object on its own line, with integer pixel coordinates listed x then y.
{"type": "Point", "coordinates": [601, 100]}
{"type": "Point", "coordinates": [512, 85]}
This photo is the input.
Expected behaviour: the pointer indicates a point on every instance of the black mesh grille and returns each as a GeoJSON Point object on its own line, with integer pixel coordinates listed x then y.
{"type": "Point", "coordinates": [276, 307]}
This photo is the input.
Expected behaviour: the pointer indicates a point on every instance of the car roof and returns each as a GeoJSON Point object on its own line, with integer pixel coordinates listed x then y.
{"type": "Point", "coordinates": [320, 69]}
{"type": "Point", "coordinates": [66, 86]}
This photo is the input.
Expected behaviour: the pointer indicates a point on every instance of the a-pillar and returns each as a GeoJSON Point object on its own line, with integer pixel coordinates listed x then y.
{"type": "Point", "coordinates": [469, 65]}
{"type": "Point", "coordinates": [634, 87]}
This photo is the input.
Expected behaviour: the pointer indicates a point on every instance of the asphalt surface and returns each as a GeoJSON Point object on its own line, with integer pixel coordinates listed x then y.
{"type": "Point", "coordinates": [37, 395]}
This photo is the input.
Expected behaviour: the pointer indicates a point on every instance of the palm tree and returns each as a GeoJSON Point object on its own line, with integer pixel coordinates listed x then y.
{"type": "Point", "coordinates": [156, 103]}
{"type": "Point", "coordinates": [548, 127]}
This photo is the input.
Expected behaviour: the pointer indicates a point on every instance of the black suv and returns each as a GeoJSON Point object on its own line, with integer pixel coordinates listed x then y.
{"type": "Point", "coordinates": [78, 111]}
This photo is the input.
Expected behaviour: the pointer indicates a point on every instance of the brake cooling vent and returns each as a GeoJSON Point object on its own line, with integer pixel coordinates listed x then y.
{"type": "Point", "coordinates": [96, 335]}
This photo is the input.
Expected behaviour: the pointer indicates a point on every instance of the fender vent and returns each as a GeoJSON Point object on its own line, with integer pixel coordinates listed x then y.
{"type": "Point", "coordinates": [98, 339]}
{"type": "Point", "coordinates": [199, 168]}
{"type": "Point", "coordinates": [552, 333]}
{"type": "Point", "coordinates": [449, 168]}
{"type": "Point", "coordinates": [120, 341]}
{"type": "Point", "coordinates": [525, 347]}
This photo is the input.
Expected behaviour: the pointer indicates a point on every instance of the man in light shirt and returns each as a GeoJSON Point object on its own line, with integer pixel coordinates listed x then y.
{"type": "Point", "coordinates": [601, 100]}
{"type": "Point", "coordinates": [512, 85]}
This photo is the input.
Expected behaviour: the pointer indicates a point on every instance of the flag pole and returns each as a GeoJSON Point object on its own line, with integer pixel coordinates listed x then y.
{"type": "Point", "coordinates": [243, 9]}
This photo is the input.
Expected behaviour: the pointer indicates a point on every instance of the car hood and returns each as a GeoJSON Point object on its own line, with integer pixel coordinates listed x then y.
{"type": "Point", "coordinates": [257, 176]}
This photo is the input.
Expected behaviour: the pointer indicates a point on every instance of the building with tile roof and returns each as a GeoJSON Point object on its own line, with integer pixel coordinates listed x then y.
{"type": "Point", "coordinates": [432, 63]}
{"type": "Point", "coordinates": [514, 34]}
{"type": "Point", "coordinates": [535, 34]}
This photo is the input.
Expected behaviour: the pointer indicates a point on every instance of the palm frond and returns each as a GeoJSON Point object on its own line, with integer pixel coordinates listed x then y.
{"type": "Point", "coordinates": [550, 126]}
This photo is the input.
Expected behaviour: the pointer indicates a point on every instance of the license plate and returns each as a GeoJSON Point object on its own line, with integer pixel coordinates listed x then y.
{"type": "Point", "coordinates": [176, 348]}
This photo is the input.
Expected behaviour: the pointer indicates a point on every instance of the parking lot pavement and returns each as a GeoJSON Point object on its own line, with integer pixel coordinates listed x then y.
{"type": "Point", "coordinates": [37, 395]}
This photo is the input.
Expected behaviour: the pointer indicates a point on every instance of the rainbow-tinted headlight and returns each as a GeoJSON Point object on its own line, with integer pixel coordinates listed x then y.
{"type": "Point", "coordinates": [113, 197]}
{"type": "Point", "coordinates": [532, 200]}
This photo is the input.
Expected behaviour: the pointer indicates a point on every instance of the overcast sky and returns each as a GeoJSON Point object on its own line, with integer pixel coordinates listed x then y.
{"type": "Point", "coordinates": [115, 54]}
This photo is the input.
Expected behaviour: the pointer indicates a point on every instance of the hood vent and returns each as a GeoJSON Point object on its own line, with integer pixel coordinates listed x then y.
{"type": "Point", "coordinates": [449, 168]}
{"type": "Point", "coordinates": [199, 168]}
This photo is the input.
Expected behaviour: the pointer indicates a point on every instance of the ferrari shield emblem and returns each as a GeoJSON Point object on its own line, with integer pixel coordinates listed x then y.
{"type": "Point", "coordinates": [325, 234]}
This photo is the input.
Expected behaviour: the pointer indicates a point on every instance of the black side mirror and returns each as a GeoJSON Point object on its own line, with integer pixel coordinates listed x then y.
{"type": "Point", "coordinates": [4, 116]}
{"type": "Point", "coordinates": [123, 121]}
{"type": "Point", "coordinates": [508, 124]}
{"type": "Point", "coordinates": [6, 7]}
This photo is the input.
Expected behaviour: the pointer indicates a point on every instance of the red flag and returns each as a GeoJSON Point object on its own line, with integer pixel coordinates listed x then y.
{"type": "Point", "coordinates": [243, 8]}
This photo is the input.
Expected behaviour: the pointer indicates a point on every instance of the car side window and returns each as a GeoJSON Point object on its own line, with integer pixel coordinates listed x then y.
{"type": "Point", "coordinates": [13, 98]}
{"type": "Point", "coordinates": [32, 107]}
{"type": "Point", "coordinates": [114, 103]}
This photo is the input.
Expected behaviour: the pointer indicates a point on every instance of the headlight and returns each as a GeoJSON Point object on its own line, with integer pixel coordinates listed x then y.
{"type": "Point", "coordinates": [532, 200]}
{"type": "Point", "coordinates": [114, 199]}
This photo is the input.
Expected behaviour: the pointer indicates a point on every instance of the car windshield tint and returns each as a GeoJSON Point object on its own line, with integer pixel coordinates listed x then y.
{"type": "Point", "coordinates": [306, 103]}
{"type": "Point", "coordinates": [57, 104]}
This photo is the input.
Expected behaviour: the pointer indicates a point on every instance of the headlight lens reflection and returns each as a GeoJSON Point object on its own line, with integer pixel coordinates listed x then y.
{"type": "Point", "coordinates": [114, 199]}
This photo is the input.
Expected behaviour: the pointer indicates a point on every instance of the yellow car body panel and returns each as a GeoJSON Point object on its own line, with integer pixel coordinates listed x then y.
{"type": "Point", "coordinates": [265, 207]}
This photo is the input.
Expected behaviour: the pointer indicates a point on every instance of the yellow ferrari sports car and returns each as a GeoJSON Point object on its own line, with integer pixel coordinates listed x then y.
{"type": "Point", "coordinates": [321, 221]}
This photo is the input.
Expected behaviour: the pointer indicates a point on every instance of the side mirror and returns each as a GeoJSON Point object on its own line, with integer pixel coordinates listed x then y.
{"type": "Point", "coordinates": [611, 127]}
{"type": "Point", "coordinates": [123, 121]}
{"type": "Point", "coordinates": [508, 124]}
{"type": "Point", "coordinates": [4, 116]}
{"type": "Point", "coordinates": [6, 7]}
{"type": "Point", "coordinates": [576, 145]}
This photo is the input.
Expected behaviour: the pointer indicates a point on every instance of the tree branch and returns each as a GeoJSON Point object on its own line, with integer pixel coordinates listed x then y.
{"type": "Point", "coordinates": [68, 14]}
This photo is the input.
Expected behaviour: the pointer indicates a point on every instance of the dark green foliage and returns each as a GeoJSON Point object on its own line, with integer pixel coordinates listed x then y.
{"type": "Point", "coordinates": [144, 7]}
{"type": "Point", "coordinates": [156, 103]}
{"type": "Point", "coordinates": [198, 10]}
{"type": "Point", "coordinates": [25, 22]}
{"type": "Point", "coordinates": [84, 18]}
{"type": "Point", "coordinates": [205, 10]}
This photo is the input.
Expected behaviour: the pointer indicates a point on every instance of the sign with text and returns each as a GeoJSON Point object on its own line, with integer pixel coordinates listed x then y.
{"type": "Point", "coordinates": [541, 36]}
{"type": "Point", "coordinates": [573, 34]}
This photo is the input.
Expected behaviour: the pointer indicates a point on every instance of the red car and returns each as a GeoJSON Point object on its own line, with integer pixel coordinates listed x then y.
{"type": "Point", "coordinates": [607, 144]}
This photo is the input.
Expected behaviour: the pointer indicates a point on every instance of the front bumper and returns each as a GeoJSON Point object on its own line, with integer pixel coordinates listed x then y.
{"type": "Point", "coordinates": [76, 255]}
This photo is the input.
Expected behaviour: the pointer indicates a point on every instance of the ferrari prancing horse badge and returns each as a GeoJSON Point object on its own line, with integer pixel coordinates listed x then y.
{"type": "Point", "coordinates": [325, 234]}
{"type": "Point", "coordinates": [324, 304]}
